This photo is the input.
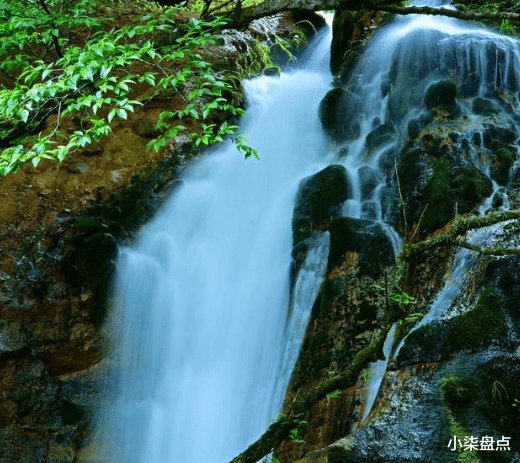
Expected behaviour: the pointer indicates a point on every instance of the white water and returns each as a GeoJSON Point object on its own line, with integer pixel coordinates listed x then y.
{"type": "Point", "coordinates": [377, 371]}
{"type": "Point", "coordinates": [203, 333]}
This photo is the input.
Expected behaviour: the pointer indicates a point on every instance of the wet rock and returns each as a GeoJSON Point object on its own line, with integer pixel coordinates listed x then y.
{"type": "Point", "coordinates": [439, 189]}
{"type": "Point", "coordinates": [146, 128]}
{"type": "Point", "coordinates": [319, 199]}
{"type": "Point", "coordinates": [78, 167]}
{"type": "Point", "coordinates": [498, 136]}
{"type": "Point", "coordinates": [337, 113]}
{"type": "Point", "coordinates": [379, 136]}
{"type": "Point", "coordinates": [506, 272]}
{"type": "Point", "coordinates": [442, 95]}
{"type": "Point", "coordinates": [414, 128]}
{"type": "Point", "coordinates": [405, 94]}
{"type": "Point", "coordinates": [364, 237]}
{"type": "Point", "coordinates": [483, 107]}
{"type": "Point", "coordinates": [502, 163]}
{"type": "Point", "coordinates": [369, 180]}
{"type": "Point", "coordinates": [37, 396]}
{"type": "Point", "coordinates": [470, 187]}
{"type": "Point", "coordinates": [13, 338]}
{"type": "Point", "coordinates": [475, 329]}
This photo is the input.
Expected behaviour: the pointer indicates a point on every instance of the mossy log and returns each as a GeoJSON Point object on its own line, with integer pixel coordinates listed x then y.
{"type": "Point", "coordinates": [241, 16]}
{"type": "Point", "coordinates": [280, 429]}
{"type": "Point", "coordinates": [454, 237]}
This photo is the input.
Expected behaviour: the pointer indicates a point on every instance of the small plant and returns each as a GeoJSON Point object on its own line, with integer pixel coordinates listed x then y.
{"type": "Point", "coordinates": [293, 436]}
{"type": "Point", "coordinates": [498, 392]}
{"type": "Point", "coordinates": [413, 317]}
{"type": "Point", "coordinates": [334, 394]}
{"type": "Point", "coordinates": [507, 27]}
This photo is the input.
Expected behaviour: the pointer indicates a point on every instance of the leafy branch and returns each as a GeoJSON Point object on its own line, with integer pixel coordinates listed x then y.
{"type": "Point", "coordinates": [93, 83]}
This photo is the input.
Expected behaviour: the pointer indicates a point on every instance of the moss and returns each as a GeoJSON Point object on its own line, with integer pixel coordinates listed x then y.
{"type": "Point", "coordinates": [442, 95]}
{"type": "Point", "coordinates": [483, 107]}
{"type": "Point", "coordinates": [340, 455]}
{"type": "Point", "coordinates": [504, 159]}
{"type": "Point", "coordinates": [479, 326]}
{"type": "Point", "coordinates": [458, 391]}
{"type": "Point", "coordinates": [439, 198]}
{"type": "Point", "coordinates": [461, 189]}
{"type": "Point", "coordinates": [470, 186]}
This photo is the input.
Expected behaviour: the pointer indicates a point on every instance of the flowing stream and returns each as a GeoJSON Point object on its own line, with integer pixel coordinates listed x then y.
{"type": "Point", "coordinates": [204, 335]}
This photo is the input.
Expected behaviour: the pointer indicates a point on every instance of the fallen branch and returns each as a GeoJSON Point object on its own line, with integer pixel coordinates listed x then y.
{"type": "Point", "coordinates": [459, 14]}
{"type": "Point", "coordinates": [454, 237]}
{"type": "Point", "coordinates": [241, 17]}
{"type": "Point", "coordinates": [280, 429]}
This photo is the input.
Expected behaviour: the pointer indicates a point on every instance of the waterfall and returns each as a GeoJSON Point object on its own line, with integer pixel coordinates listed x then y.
{"type": "Point", "coordinates": [204, 338]}
{"type": "Point", "coordinates": [386, 91]}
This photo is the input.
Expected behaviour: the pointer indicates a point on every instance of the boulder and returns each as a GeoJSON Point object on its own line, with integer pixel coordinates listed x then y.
{"type": "Point", "coordinates": [320, 198]}
{"type": "Point", "coordinates": [441, 95]}
{"type": "Point", "coordinates": [364, 237]}
{"type": "Point", "coordinates": [483, 107]}
{"type": "Point", "coordinates": [337, 113]}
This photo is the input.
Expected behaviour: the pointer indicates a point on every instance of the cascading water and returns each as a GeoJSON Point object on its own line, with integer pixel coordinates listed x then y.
{"type": "Point", "coordinates": [386, 94]}
{"type": "Point", "coordinates": [205, 340]}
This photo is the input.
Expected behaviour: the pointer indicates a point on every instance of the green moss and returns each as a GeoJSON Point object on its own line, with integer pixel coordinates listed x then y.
{"type": "Point", "coordinates": [502, 165]}
{"type": "Point", "coordinates": [441, 95]}
{"type": "Point", "coordinates": [457, 391]}
{"type": "Point", "coordinates": [479, 326]}
{"type": "Point", "coordinates": [439, 198]}
{"type": "Point", "coordinates": [448, 190]}
{"type": "Point", "coordinates": [470, 186]}
{"type": "Point", "coordinates": [340, 455]}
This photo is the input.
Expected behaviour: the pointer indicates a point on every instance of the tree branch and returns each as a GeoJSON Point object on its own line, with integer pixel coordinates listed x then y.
{"type": "Point", "coordinates": [454, 237]}
{"type": "Point", "coordinates": [459, 14]}
{"type": "Point", "coordinates": [55, 40]}
{"type": "Point", "coordinates": [244, 16]}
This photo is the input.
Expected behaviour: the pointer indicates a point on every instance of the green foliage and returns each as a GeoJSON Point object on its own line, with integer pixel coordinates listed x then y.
{"type": "Point", "coordinates": [293, 436]}
{"type": "Point", "coordinates": [273, 459]}
{"type": "Point", "coordinates": [334, 394]}
{"type": "Point", "coordinates": [66, 59]}
{"type": "Point", "coordinates": [507, 27]}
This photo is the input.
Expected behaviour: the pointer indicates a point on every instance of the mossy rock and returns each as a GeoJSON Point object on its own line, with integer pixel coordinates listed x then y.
{"type": "Point", "coordinates": [340, 455]}
{"type": "Point", "coordinates": [364, 237]}
{"type": "Point", "coordinates": [506, 271]}
{"type": "Point", "coordinates": [504, 159]}
{"type": "Point", "coordinates": [439, 198]}
{"type": "Point", "coordinates": [458, 391]}
{"type": "Point", "coordinates": [319, 199]}
{"type": "Point", "coordinates": [496, 136]}
{"type": "Point", "coordinates": [483, 107]}
{"type": "Point", "coordinates": [485, 401]}
{"type": "Point", "coordinates": [477, 328]}
{"type": "Point", "coordinates": [461, 189]}
{"type": "Point", "coordinates": [480, 326]}
{"type": "Point", "coordinates": [470, 187]}
{"type": "Point", "coordinates": [146, 128]}
{"type": "Point", "coordinates": [368, 179]}
{"type": "Point", "coordinates": [441, 95]}
{"type": "Point", "coordinates": [379, 136]}
{"type": "Point", "coordinates": [337, 112]}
